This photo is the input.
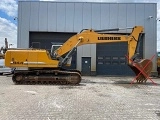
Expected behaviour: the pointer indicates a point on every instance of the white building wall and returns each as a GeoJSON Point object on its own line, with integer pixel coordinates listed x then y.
{"type": "Point", "coordinates": [73, 17]}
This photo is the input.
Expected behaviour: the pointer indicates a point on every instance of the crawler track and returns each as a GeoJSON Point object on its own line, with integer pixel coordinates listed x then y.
{"type": "Point", "coordinates": [70, 77]}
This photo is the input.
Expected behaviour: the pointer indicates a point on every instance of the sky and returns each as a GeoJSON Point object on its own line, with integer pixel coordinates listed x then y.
{"type": "Point", "coordinates": [8, 18]}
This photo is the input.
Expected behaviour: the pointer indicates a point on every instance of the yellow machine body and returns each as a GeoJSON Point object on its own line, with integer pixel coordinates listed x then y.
{"type": "Point", "coordinates": [33, 58]}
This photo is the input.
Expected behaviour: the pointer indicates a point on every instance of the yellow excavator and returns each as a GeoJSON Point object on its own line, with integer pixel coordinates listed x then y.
{"type": "Point", "coordinates": [44, 67]}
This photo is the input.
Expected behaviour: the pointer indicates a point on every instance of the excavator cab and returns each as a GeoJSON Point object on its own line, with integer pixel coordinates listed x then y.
{"type": "Point", "coordinates": [53, 49]}
{"type": "Point", "coordinates": [54, 54]}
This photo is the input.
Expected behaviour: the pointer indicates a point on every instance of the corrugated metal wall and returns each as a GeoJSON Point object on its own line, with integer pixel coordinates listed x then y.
{"type": "Point", "coordinates": [72, 17]}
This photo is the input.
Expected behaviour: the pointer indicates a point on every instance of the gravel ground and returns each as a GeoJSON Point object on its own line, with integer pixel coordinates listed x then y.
{"type": "Point", "coordinates": [96, 98]}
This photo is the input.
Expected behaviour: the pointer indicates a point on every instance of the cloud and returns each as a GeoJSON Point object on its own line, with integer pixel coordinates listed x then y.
{"type": "Point", "coordinates": [9, 7]}
{"type": "Point", "coordinates": [7, 28]}
{"type": "Point", "coordinates": [9, 31]}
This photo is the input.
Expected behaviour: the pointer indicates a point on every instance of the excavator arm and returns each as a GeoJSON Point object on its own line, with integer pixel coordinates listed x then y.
{"type": "Point", "coordinates": [95, 37]}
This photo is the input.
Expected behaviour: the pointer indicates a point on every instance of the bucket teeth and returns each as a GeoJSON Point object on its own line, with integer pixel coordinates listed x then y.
{"type": "Point", "coordinates": [142, 69]}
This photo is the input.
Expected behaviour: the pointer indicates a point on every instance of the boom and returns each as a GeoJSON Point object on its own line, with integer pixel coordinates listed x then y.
{"type": "Point", "coordinates": [92, 37]}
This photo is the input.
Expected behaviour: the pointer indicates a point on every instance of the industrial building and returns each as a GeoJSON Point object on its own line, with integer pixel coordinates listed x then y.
{"type": "Point", "coordinates": [41, 23]}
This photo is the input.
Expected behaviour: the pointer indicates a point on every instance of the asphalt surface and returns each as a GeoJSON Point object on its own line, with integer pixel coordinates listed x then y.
{"type": "Point", "coordinates": [96, 98]}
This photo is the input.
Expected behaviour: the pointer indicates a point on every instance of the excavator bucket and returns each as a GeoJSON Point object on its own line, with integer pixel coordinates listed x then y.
{"type": "Point", "coordinates": [142, 69]}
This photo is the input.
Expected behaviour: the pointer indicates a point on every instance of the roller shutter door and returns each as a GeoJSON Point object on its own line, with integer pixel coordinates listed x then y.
{"type": "Point", "coordinates": [44, 40]}
{"type": "Point", "coordinates": [111, 59]}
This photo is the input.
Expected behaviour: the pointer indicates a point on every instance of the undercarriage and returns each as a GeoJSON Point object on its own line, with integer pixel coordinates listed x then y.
{"type": "Point", "coordinates": [63, 77]}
